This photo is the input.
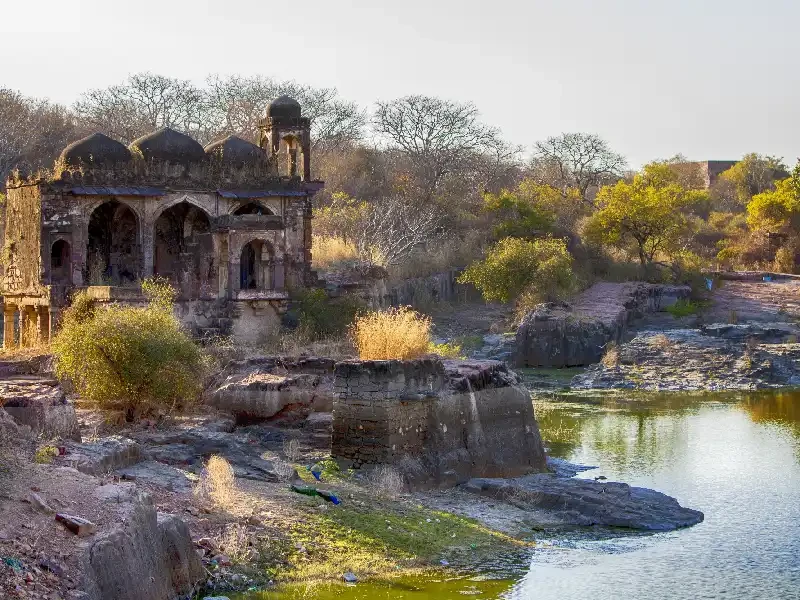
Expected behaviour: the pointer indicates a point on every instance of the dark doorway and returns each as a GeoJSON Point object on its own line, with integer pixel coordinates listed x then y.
{"type": "Point", "coordinates": [113, 256]}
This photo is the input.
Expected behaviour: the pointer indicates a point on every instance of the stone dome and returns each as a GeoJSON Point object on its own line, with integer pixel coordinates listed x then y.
{"type": "Point", "coordinates": [284, 106]}
{"type": "Point", "coordinates": [169, 145]}
{"type": "Point", "coordinates": [234, 150]}
{"type": "Point", "coordinates": [96, 148]}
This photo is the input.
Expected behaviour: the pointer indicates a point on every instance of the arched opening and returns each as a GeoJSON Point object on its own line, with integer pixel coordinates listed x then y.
{"type": "Point", "coordinates": [60, 263]}
{"type": "Point", "coordinates": [184, 249]}
{"type": "Point", "coordinates": [113, 254]}
{"type": "Point", "coordinates": [256, 266]}
{"type": "Point", "coordinates": [252, 208]}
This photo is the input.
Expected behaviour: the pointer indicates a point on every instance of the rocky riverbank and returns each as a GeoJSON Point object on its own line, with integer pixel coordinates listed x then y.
{"type": "Point", "coordinates": [276, 524]}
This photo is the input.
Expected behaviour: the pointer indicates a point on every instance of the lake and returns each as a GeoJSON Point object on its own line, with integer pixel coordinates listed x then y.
{"type": "Point", "coordinates": [736, 457]}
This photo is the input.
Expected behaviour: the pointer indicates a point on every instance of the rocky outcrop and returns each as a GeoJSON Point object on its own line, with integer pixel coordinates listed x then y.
{"type": "Point", "coordinates": [576, 334]}
{"type": "Point", "coordinates": [148, 555]}
{"type": "Point", "coordinates": [40, 403]}
{"type": "Point", "coordinates": [583, 502]}
{"type": "Point", "coordinates": [715, 357]}
{"type": "Point", "coordinates": [439, 422]}
{"type": "Point", "coordinates": [102, 456]}
{"type": "Point", "coordinates": [264, 387]}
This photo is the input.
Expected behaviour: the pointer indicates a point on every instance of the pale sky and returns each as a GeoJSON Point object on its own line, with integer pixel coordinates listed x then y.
{"type": "Point", "coordinates": [712, 79]}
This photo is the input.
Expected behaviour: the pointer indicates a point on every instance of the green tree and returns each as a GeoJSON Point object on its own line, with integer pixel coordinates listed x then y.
{"type": "Point", "coordinates": [522, 215]}
{"type": "Point", "coordinates": [644, 215]}
{"type": "Point", "coordinates": [755, 174]}
{"type": "Point", "coordinates": [540, 269]}
{"type": "Point", "coordinates": [777, 210]}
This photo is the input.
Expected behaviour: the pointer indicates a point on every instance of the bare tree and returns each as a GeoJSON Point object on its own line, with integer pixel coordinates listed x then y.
{"type": "Point", "coordinates": [437, 137]}
{"type": "Point", "coordinates": [145, 102]}
{"type": "Point", "coordinates": [236, 104]}
{"type": "Point", "coordinates": [32, 132]}
{"type": "Point", "coordinates": [394, 228]}
{"type": "Point", "coordinates": [577, 160]}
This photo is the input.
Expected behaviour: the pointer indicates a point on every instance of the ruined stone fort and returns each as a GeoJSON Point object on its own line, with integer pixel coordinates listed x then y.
{"type": "Point", "coordinates": [229, 225]}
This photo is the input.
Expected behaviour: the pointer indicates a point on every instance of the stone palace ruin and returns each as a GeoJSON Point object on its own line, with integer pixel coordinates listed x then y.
{"type": "Point", "coordinates": [229, 225]}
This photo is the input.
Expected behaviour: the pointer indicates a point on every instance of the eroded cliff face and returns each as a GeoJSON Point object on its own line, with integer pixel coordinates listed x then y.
{"type": "Point", "coordinates": [576, 334]}
{"type": "Point", "coordinates": [438, 422]}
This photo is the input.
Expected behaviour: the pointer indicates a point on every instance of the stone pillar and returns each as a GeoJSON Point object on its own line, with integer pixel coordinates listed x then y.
{"type": "Point", "coordinates": [278, 281]}
{"type": "Point", "coordinates": [292, 162]}
{"type": "Point", "coordinates": [43, 317]}
{"type": "Point", "coordinates": [9, 316]}
{"type": "Point", "coordinates": [27, 326]}
{"type": "Point", "coordinates": [54, 313]}
{"type": "Point", "coordinates": [307, 162]}
{"type": "Point", "coordinates": [148, 254]}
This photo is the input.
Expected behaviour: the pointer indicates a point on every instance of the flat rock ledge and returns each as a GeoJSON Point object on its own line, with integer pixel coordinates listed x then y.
{"type": "Point", "coordinates": [269, 387]}
{"type": "Point", "coordinates": [583, 502]}
{"type": "Point", "coordinates": [716, 357]}
{"type": "Point", "coordinates": [575, 334]}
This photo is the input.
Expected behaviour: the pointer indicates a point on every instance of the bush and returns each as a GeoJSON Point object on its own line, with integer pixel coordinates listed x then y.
{"type": "Point", "coordinates": [136, 360]}
{"type": "Point", "coordinates": [320, 316]}
{"type": "Point", "coordinates": [684, 308]}
{"type": "Point", "coordinates": [396, 333]}
{"type": "Point", "coordinates": [447, 350]}
{"type": "Point", "coordinates": [785, 259]}
{"type": "Point", "coordinates": [331, 252]}
{"type": "Point", "coordinates": [541, 269]}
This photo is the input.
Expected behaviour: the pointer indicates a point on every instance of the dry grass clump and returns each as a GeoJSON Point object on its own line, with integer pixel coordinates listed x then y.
{"type": "Point", "coordinates": [291, 449]}
{"type": "Point", "coordinates": [387, 481]}
{"type": "Point", "coordinates": [328, 252]}
{"type": "Point", "coordinates": [611, 357]}
{"type": "Point", "coordinates": [660, 341]}
{"type": "Point", "coordinates": [395, 333]}
{"type": "Point", "coordinates": [218, 483]}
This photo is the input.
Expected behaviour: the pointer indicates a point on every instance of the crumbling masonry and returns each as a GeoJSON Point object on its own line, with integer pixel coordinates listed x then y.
{"type": "Point", "coordinates": [221, 223]}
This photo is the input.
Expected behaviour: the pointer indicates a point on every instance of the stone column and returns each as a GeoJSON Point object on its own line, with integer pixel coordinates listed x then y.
{"type": "Point", "coordinates": [27, 326]}
{"type": "Point", "coordinates": [53, 319]}
{"type": "Point", "coordinates": [306, 162]}
{"type": "Point", "coordinates": [278, 281]}
{"type": "Point", "coordinates": [9, 316]}
{"type": "Point", "coordinates": [292, 162]}
{"type": "Point", "coordinates": [43, 317]}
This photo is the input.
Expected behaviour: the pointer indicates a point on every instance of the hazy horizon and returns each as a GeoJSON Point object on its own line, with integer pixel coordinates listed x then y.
{"type": "Point", "coordinates": [709, 81]}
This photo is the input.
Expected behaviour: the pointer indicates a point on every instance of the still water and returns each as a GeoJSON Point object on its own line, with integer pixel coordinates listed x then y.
{"type": "Point", "coordinates": [735, 457]}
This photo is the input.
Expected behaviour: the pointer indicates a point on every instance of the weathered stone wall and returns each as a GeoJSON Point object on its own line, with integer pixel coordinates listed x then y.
{"type": "Point", "coordinates": [21, 252]}
{"type": "Point", "coordinates": [438, 422]}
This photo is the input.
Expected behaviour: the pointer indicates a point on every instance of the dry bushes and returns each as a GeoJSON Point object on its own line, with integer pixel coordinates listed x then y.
{"type": "Point", "coordinates": [387, 481]}
{"type": "Point", "coordinates": [395, 333]}
{"type": "Point", "coordinates": [218, 483]}
{"type": "Point", "coordinates": [611, 357]}
{"type": "Point", "coordinates": [329, 252]}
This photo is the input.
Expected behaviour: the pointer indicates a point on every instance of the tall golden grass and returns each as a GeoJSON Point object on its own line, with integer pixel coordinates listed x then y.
{"type": "Point", "coordinates": [218, 483]}
{"type": "Point", "coordinates": [328, 251]}
{"type": "Point", "coordinates": [395, 333]}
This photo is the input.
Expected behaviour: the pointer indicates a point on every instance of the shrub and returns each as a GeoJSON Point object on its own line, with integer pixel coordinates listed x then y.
{"type": "Point", "coordinates": [684, 308]}
{"type": "Point", "coordinates": [785, 259]}
{"type": "Point", "coordinates": [447, 350]}
{"type": "Point", "coordinates": [218, 482]}
{"type": "Point", "coordinates": [136, 360]}
{"type": "Point", "coordinates": [396, 333]}
{"type": "Point", "coordinates": [322, 317]}
{"type": "Point", "coordinates": [541, 269]}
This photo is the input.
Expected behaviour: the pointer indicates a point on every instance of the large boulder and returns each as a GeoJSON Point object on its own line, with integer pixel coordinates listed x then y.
{"type": "Point", "coordinates": [576, 334]}
{"type": "Point", "coordinates": [40, 403]}
{"type": "Point", "coordinates": [586, 502]}
{"type": "Point", "coordinates": [439, 423]}
{"type": "Point", "coordinates": [148, 555]}
{"type": "Point", "coordinates": [266, 387]}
